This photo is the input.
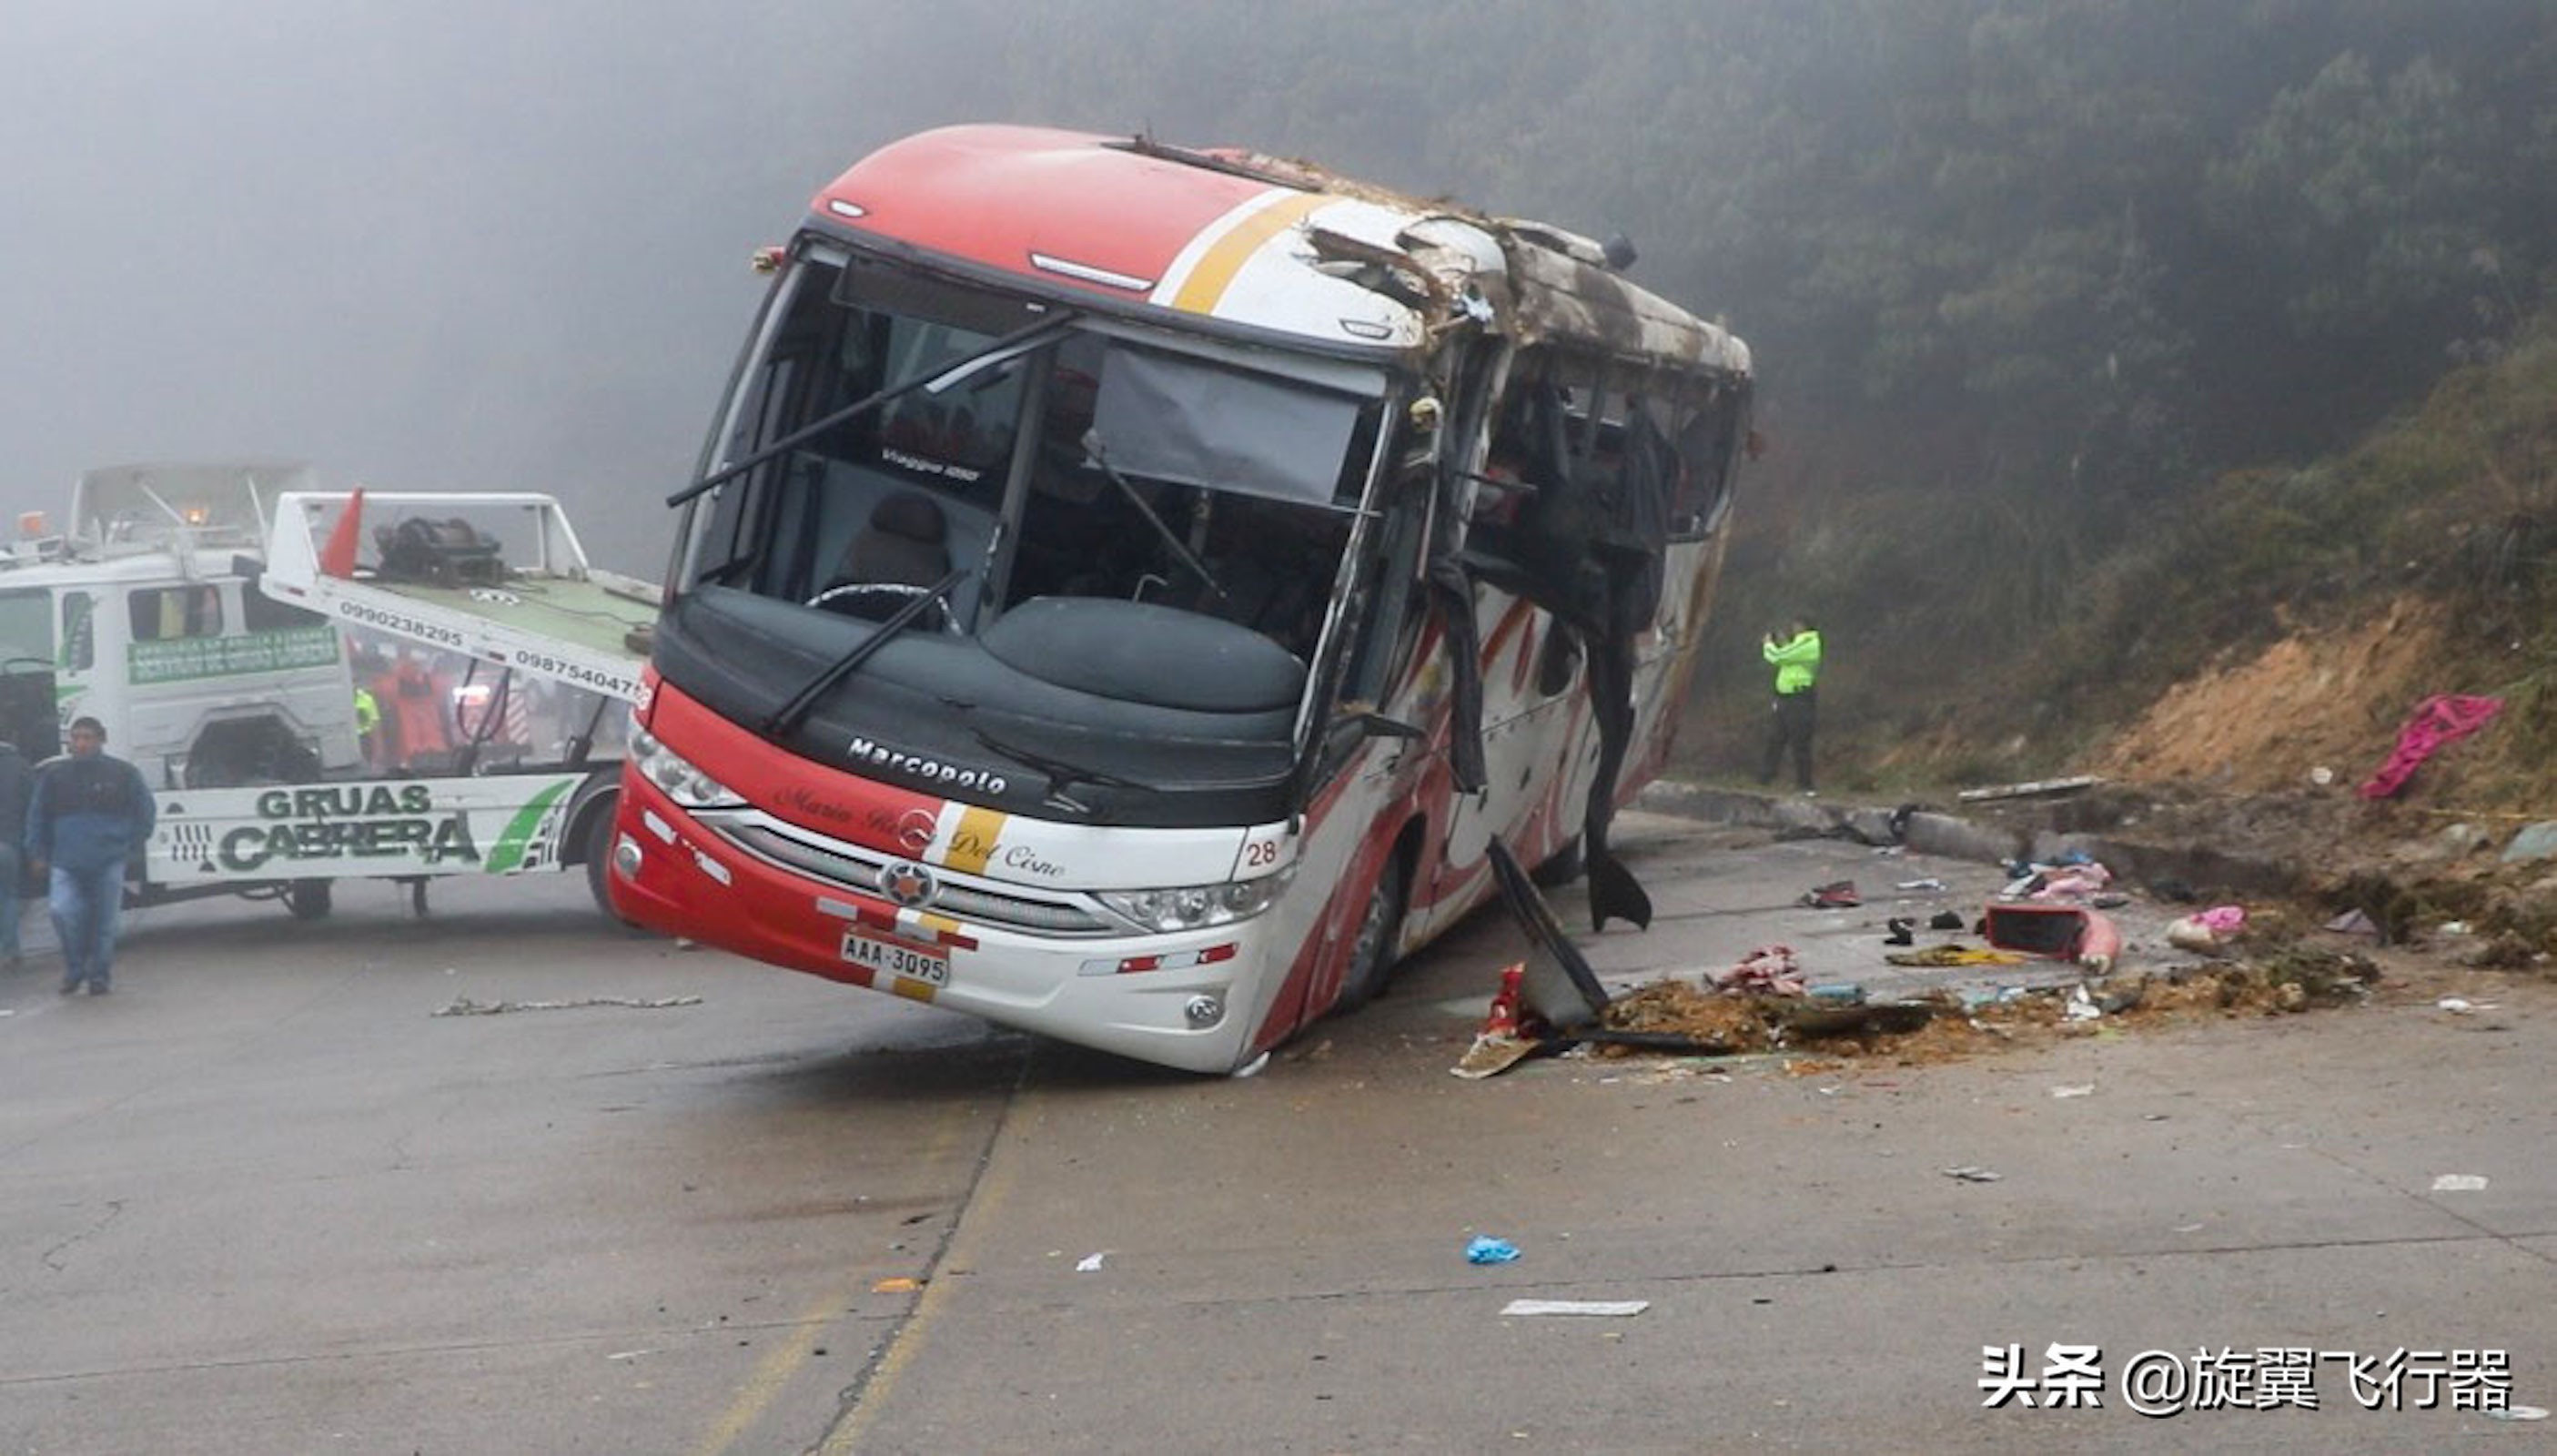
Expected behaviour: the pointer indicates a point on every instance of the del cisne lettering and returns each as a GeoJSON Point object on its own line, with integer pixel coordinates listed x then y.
{"type": "Point", "coordinates": [357, 821]}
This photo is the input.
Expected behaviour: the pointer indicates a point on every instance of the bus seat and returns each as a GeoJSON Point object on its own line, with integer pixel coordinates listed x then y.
{"type": "Point", "coordinates": [906, 540]}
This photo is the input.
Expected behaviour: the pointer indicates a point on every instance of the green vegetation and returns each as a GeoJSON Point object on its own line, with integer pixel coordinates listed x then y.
{"type": "Point", "coordinates": [2030, 640]}
{"type": "Point", "coordinates": [2051, 300]}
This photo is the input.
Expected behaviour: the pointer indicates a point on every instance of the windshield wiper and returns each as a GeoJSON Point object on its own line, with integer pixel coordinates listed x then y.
{"type": "Point", "coordinates": [791, 714]}
{"type": "Point", "coordinates": [1060, 773]}
{"type": "Point", "coordinates": [1100, 456]}
{"type": "Point", "coordinates": [1003, 350]}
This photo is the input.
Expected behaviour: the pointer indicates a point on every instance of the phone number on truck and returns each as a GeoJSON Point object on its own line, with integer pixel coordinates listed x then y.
{"type": "Point", "coordinates": [616, 685]}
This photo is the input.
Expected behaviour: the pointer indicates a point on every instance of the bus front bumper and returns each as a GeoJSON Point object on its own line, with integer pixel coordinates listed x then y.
{"type": "Point", "coordinates": [1188, 1000]}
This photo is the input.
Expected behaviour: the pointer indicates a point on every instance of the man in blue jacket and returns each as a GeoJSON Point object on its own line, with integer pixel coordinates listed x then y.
{"type": "Point", "coordinates": [88, 815]}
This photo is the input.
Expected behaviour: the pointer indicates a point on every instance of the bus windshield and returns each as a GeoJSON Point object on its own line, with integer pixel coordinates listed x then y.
{"type": "Point", "coordinates": [1148, 530]}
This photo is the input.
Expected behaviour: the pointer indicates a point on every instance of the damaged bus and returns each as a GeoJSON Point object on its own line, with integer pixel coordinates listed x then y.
{"type": "Point", "coordinates": [1133, 594]}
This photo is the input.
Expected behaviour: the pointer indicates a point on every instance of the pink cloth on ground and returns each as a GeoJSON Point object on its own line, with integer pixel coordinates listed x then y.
{"type": "Point", "coordinates": [2443, 719]}
{"type": "Point", "coordinates": [1769, 969]}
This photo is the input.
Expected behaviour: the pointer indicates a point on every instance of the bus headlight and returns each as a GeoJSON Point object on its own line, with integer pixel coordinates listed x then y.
{"type": "Point", "coordinates": [1195, 907]}
{"type": "Point", "coordinates": [683, 783]}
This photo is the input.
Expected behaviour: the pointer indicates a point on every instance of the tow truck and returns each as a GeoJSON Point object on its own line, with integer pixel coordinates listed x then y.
{"type": "Point", "coordinates": [207, 614]}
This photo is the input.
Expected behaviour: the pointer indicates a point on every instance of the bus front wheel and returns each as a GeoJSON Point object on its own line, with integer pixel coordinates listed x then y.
{"type": "Point", "coordinates": [1372, 957]}
{"type": "Point", "coordinates": [599, 858]}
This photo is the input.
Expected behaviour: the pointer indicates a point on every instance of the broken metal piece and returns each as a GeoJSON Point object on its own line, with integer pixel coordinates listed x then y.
{"type": "Point", "coordinates": [1558, 988]}
{"type": "Point", "coordinates": [2030, 789]}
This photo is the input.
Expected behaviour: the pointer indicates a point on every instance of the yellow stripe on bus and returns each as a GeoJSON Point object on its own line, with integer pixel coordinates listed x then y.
{"type": "Point", "coordinates": [1215, 270]}
{"type": "Point", "coordinates": [972, 844]}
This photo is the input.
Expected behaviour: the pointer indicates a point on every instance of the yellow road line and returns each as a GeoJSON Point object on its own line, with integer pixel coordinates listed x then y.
{"type": "Point", "coordinates": [772, 1372]}
{"type": "Point", "coordinates": [992, 1189]}
{"type": "Point", "coordinates": [782, 1363]}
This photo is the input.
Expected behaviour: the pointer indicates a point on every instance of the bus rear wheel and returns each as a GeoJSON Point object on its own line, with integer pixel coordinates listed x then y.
{"type": "Point", "coordinates": [1371, 957]}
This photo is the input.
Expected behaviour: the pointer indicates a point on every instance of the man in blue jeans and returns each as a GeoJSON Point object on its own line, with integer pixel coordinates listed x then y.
{"type": "Point", "coordinates": [88, 814]}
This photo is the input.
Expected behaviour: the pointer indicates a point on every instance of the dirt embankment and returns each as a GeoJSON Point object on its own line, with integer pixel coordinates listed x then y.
{"type": "Point", "coordinates": [2325, 700]}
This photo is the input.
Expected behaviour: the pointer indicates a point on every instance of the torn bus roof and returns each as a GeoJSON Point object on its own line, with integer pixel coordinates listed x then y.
{"type": "Point", "coordinates": [1257, 242]}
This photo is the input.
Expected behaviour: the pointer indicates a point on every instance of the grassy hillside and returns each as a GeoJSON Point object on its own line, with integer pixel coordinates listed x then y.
{"type": "Point", "coordinates": [2239, 632]}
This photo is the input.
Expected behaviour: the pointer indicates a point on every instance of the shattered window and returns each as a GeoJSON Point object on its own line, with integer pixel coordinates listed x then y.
{"type": "Point", "coordinates": [1708, 438]}
{"type": "Point", "coordinates": [1196, 424]}
{"type": "Point", "coordinates": [1176, 480]}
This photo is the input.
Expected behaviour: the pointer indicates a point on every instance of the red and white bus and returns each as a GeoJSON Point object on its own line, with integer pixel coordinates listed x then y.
{"type": "Point", "coordinates": [1127, 589]}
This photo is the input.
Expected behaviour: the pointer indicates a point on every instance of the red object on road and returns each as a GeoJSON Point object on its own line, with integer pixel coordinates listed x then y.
{"type": "Point", "coordinates": [2442, 719]}
{"type": "Point", "coordinates": [2062, 932]}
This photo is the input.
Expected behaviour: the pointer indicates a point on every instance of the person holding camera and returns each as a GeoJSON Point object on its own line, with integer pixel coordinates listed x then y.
{"type": "Point", "coordinates": [1795, 653]}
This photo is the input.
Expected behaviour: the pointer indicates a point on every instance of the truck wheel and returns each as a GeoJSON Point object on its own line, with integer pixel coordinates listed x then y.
{"type": "Point", "coordinates": [308, 899]}
{"type": "Point", "coordinates": [1372, 957]}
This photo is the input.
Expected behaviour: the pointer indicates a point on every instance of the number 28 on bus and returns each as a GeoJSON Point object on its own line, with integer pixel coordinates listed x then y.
{"type": "Point", "coordinates": [1127, 589]}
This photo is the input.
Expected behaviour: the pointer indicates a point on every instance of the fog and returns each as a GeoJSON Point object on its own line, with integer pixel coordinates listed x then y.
{"type": "Point", "coordinates": [466, 245]}
{"type": "Point", "coordinates": [2075, 255]}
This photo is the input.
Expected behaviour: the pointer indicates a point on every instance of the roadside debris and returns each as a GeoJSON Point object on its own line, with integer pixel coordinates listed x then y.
{"type": "Point", "coordinates": [898, 1285]}
{"type": "Point", "coordinates": [2442, 719]}
{"type": "Point", "coordinates": [1487, 1250]}
{"type": "Point", "coordinates": [1971, 1173]}
{"type": "Point", "coordinates": [1949, 956]}
{"type": "Point", "coordinates": [2030, 789]}
{"type": "Point", "coordinates": [1089, 1264]}
{"type": "Point", "coordinates": [2459, 1183]}
{"type": "Point", "coordinates": [2519, 1412]}
{"type": "Point", "coordinates": [2533, 842]}
{"type": "Point", "coordinates": [1914, 886]}
{"type": "Point", "coordinates": [2082, 1089]}
{"type": "Point", "coordinates": [1767, 1007]}
{"type": "Point", "coordinates": [1838, 894]}
{"type": "Point", "coordinates": [1769, 969]}
{"type": "Point", "coordinates": [1602, 1308]}
{"type": "Point", "coordinates": [466, 1006]}
{"type": "Point", "coordinates": [2208, 932]}
{"type": "Point", "coordinates": [2060, 932]}
{"type": "Point", "coordinates": [1500, 1045]}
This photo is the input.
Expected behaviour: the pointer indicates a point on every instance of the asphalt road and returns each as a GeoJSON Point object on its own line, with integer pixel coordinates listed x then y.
{"type": "Point", "coordinates": [264, 1200]}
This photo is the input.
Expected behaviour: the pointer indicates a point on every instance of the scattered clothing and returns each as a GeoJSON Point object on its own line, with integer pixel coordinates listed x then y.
{"type": "Point", "coordinates": [1838, 894]}
{"type": "Point", "coordinates": [1945, 956]}
{"type": "Point", "coordinates": [2439, 720]}
{"type": "Point", "coordinates": [1769, 969]}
